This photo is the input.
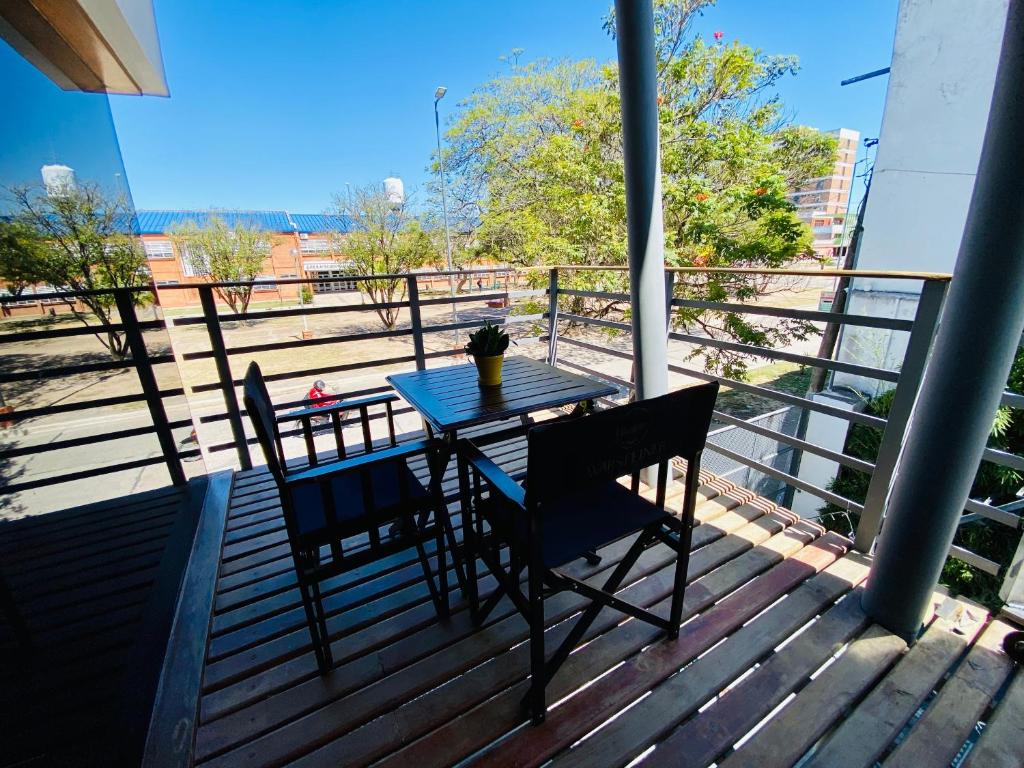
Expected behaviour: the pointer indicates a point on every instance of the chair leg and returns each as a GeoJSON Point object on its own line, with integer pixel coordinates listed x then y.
{"type": "Point", "coordinates": [321, 617]}
{"type": "Point", "coordinates": [314, 629]}
{"type": "Point", "coordinates": [675, 614]}
{"type": "Point", "coordinates": [469, 543]}
{"type": "Point", "coordinates": [442, 570]}
{"type": "Point", "coordinates": [538, 674]}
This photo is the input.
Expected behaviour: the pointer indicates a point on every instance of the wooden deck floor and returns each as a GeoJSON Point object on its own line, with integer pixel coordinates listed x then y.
{"type": "Point", "coordinates": [94, 588]}
{"type": "Point", "coordinates": [774, 640]}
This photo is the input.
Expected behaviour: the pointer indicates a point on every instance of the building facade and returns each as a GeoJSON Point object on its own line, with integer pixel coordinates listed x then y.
{"type": "Point", "coordinates": [301, 245]}
{"type": "Point", "coordinates": [823, 202]}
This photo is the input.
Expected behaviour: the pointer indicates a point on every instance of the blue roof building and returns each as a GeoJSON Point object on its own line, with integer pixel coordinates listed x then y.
{"type": "Point", "coordinates": [163, 222]}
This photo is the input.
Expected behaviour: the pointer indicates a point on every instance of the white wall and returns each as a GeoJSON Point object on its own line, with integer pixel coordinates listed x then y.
{"type": "Point", "coordinates": [936, 108]}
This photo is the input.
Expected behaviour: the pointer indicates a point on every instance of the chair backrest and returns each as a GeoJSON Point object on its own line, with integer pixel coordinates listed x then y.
{"type": "Point", "coordinates": [569, 456]}
{"type": "Point", "coordinates": [261, 412]}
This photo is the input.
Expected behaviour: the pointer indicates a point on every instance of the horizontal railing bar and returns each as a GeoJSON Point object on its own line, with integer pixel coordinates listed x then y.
{"type": "Point", "coordinates": [1004, 459]}
{"type": "Point", "coordinates": [796, 482]}
{"type": "Point", "coordinates": [319, 371]}
{"type": "Point", "coordinates": [307, 310]}
{"type": "Point", "coordinates": [59, 333]}
{"type": "Point", "coordinates": [601, 323]}
{"type": "Point", "coordinates": [297, 343]}
{"type": "Point", "coordinates": [303, 402]}
{"type": "Point", "coordinates": [76, 442]}
{"type": "Point", "coordinates": [50, 410]}
{"type": "Point", "coordinates": [807, 360]}
{"type": "Point", "coordinates": [1012, 400]}
{"type": "Point", "coordinates": [592, 347]}
{"type": "Point", "coordinates": [798, 314]}
{"type": "Point", "coordinates": [782, 397]}
{"type": "Point", "coordinates": [995, 514]}
{"type": "Point", "coordinates": [607, 295]}
{"type": "Point", "coordinates": [979, 562]}
{"type": "Point", "coordinates": [600, 374]}
{"type": "Point", "coordinates": [71, 370]}
{"type": "Point", "coordinates": [339, 279]}
{"type": "Point", "coordinates": [464, 298]}
{"type": "Point", "coordinates": [75, 294]}
{"type": "Point", "coordinates": [299, 432]}
{"type": "Point", "coordinates": [782, 437]}
{"type": "Point", "coordinates": [894, 275]}
{"type": "Point", "coordinates": [508, 320]}
{"type": "Point", "coordinates": [84, 474]}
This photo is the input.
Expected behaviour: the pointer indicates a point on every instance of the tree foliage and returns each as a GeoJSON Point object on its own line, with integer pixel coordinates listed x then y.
{"type": "Point", "coordinates": [385, 239]}
{"type": "Point", "coordinates": [22, 252]}
{"type": "Point", "coordinates": [535, 156]}
{"type": "Point", "coordinates": [86, 242]}
{"type": "Point", "coordinates": [226, 254]}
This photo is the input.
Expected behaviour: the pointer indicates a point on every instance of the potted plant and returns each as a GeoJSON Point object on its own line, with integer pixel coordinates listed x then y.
{"type": "Point", "coordinates": [487, 347]}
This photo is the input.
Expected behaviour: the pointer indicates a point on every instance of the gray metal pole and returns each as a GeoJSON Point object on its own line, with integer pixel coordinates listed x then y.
{"type": "Point", "coordinates": [444, 211]}
{"type": "Point", "coordinates": [638, 87]}
{"type": "Point", "coordinates": [977, 339]}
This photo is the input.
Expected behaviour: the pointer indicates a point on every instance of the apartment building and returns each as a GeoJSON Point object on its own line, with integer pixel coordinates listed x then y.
{"type": "Point", "coordinates": [301, 245]}
{"type": "Point", "coordinates": [823, 202]}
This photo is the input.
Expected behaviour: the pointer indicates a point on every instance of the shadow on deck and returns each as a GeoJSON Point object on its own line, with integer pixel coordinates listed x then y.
{"type": "Point", "coordinates": [774, 643]}
{"type": "Point", "coordinates": [90, 597]}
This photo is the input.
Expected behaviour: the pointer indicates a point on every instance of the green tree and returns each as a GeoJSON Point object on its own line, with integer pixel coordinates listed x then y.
{"type": "Point", "coordinates": [88, 244]}
{"type": "Point", "coordinates": [385, 239]}
{"type": "Point", "coordinates": [22, 253]}
{"type": "Point", "coordinates": [535, 156]}
{"type": "Point", "coordinates": [226, 254]}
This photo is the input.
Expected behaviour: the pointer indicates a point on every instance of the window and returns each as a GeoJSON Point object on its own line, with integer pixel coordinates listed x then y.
{"type": "Point", "coordinates": [158, 249]}
{"type": "Point", "coordinates": [315, 245]}
{"type": "Point", "coordinates": [265, 283]}
{"type": "Point", "coordinates": [192, 266]}
{"type": "Point", "coordinates": [167, 282]}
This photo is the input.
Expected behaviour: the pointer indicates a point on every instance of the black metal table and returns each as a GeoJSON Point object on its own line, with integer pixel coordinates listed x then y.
{"type": "Point", "coordinates": [451, 399]}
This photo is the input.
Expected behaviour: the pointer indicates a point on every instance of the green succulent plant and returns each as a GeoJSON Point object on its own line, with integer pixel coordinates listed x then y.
{"type": "Point", "coordinates": [487, 341]}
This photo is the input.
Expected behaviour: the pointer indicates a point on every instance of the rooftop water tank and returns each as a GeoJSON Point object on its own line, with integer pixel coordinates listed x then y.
{"type": "Point", "coordinates": [58, 179]}
{"type": "Point", "coordinates": [395, 191]}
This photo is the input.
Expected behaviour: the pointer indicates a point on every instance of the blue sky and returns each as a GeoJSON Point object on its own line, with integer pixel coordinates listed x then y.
{"type": "Point", "coordinates": [278, 105]}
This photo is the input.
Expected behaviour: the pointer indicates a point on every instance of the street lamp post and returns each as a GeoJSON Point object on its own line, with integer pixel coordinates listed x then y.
{"type": "Point", "coordinates": [438, 95]}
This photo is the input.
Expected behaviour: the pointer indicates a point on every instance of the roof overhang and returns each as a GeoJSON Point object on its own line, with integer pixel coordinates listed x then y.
{"type": "Point", "coordinates": [101, 46]}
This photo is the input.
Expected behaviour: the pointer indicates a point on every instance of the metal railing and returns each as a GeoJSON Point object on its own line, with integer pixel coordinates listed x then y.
{"type": "Point", "coordinates": [228, 379]}
{"type": "Point", "coordinates": [907, 380]}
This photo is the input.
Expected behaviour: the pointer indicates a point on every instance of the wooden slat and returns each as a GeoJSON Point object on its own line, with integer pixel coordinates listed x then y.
{"type": "Point", "coordinates": [791, 732]}
{"type": "Point", "coordinates": [681, 695]}
{"type": "Point", "coordinates": [866, 732]}
{"type": "Point", "coordinates": [949, 720]}
{"type": "Point", "coordinates": [481, 726]}
{"type": "Point", "coordinates": [1000, 745]}
{"type": "Point", "coordinates": [738, 710]}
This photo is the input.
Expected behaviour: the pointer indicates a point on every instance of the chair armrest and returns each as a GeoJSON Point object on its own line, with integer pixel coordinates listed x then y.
{"type": "Point", "coordinates": [343, 405]}
{"type": "Point", "coordinates": [404, 451]}
{"type": "Point", "coordinates": [499, 481]}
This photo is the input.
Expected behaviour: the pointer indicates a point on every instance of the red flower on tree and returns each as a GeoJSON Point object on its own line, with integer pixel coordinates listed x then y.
{"type": "Point", "coordinates": [701, 196]}
{"type": "Point", "coordinates": [577, 123]}
{"type": "Point", "coordinates": [718, 35]}
{"type": "Point", "coordinates": [761, 191]}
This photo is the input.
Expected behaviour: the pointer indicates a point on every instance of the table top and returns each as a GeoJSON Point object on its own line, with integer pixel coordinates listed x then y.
{"type": "Point", "coordinates": [451, 398]}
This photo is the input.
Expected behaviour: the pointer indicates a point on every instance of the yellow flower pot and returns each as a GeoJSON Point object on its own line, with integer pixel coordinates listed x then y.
{"type": "Point", "coordinates": [489, 369]}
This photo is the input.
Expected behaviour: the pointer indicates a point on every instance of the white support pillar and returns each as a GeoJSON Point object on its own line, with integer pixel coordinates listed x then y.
{"type": "Point", "coordinates": [638, 87]}
{"type": "Point", "coordinates": [978, 334]}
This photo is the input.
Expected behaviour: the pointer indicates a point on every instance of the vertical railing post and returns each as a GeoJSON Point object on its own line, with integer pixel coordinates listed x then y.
{"type": "Point", "coordinates": [150, 388]}
{"type": "Point", "coordinates": [553, 317]}
{"type": "Point", "coordinates": [416, 322]}
{"type": "Point", "coordinates": [929, 307]}
{"type": "Point", "coordinates": [227, 384]}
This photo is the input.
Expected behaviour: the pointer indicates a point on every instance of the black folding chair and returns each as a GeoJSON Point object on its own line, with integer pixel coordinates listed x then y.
{"type": "Point", "coordinates": [572, 504]}
{"type": "Point", "coordinates": [345, 513]}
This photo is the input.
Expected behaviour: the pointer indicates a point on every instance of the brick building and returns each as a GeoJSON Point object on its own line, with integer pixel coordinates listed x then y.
{"type": "Point", "coordinates": [823, 201]}
{"type": "Point", "coordinates": [301, 245]}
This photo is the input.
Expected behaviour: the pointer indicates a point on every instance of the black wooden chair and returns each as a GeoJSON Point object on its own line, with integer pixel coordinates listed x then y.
{"type": "Point", "coordinates": [345, 513]}
{"type": "Point", "coordinates": [572, 503]}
